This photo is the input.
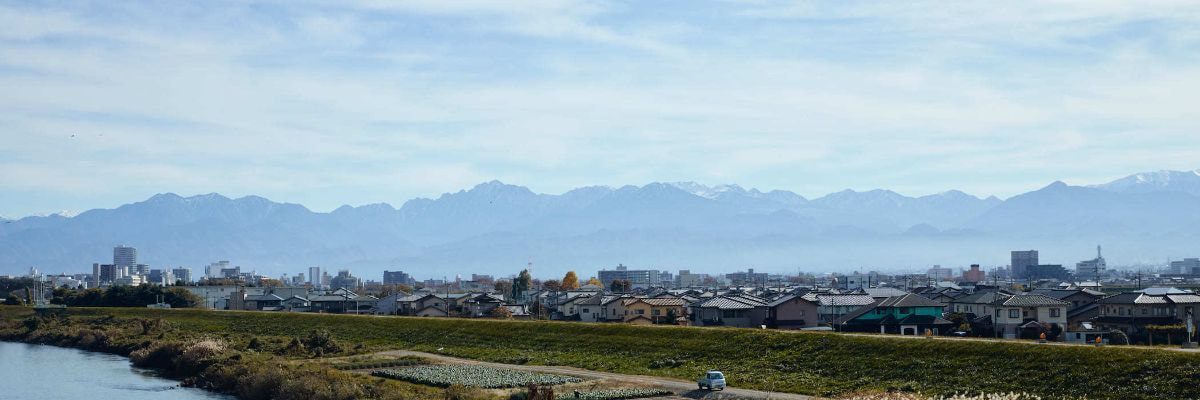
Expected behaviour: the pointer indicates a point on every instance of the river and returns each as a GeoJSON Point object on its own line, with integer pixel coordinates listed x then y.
{"type": "Point", "coordinates": [39, 372]}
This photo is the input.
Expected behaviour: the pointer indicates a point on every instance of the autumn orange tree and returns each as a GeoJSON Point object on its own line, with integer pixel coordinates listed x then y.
{"type": "Point", "coordinates": [571, 281]}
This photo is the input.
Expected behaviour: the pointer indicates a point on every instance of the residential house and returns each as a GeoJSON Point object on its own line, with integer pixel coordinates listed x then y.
{"type": "Point", "coordinates": [792, 311]}
{"type": "Point", "coordinates": [591, 309]}
{"type": "Point", "coordinates": [831, 306]}
{"type": "Point", "coordinates": [659, 310]}
{"type": "Point", "coordinates": [482, 305]}
{"type": "Point", "coordinates": [1008, 314]}
{"type": "Point", "coordinates": [738, 310]}
{"type": "Point", "coordinates": [1132, 312]}
{"type": "Point", "coordinates": [910, 314]}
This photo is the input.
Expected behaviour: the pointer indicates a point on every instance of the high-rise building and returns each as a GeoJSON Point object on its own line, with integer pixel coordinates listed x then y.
{"type": "Point", "coordinates": [397, 278]}
{"type": "Point", "coordinates": [1095, 268]}
{"type": "Point", "coordinates": [160, 277]}
{"type": "Point", "coordinates": [124, 256]}
{"type": "Point", "coordinates": [1021, 260]}
{"type": "Point", "coordinates": [182, 274]}
{"type": "Point", "coordinates": [213, 271]}
{"type": "Point", "coordinates": [1047, 271]}
{"type": "Point", "coordinates": [343, 280]}
{"type": "Point", "coordinates": [314, 276]}
{"type": "Point", "coordinates": [1187, 266]}
{"type": "Point", "coordinates": [974, 274]}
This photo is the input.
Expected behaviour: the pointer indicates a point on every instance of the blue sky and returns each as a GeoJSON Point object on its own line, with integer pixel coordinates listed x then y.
{"type": "Point", "coordinates": [358, 102]}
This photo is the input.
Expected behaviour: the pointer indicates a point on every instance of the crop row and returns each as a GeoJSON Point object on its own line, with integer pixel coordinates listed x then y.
{"type": "Point", "coordinates": [613, 394]}
{"type": "Point", "coordinates": [473, 376]}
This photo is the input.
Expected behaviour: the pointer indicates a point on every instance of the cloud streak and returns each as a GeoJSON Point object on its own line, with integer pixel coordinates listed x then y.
{"type": "Point", "coordinates": [359, 102]}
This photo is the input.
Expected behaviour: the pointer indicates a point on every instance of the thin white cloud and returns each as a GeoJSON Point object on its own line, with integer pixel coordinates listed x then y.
{"type": "Point", "coordinates": [381, 101]}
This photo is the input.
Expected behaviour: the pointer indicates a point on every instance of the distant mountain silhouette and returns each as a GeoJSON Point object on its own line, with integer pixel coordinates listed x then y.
{"type": "Point", "coordinates": [496, 227]}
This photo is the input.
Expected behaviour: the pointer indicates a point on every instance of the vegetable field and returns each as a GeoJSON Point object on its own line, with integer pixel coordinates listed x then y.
{"type": "Point", "coordinates": [472, 376]}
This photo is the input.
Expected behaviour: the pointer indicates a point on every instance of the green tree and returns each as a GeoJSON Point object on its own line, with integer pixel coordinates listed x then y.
{"type": "Point", "coordinates": [552, 285]}
{"type": "Point", "coordinates": [523, 282]}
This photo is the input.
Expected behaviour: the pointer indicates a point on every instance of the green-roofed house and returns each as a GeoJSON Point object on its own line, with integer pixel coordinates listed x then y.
{"type": "Point", "coordinates": [909, 314]}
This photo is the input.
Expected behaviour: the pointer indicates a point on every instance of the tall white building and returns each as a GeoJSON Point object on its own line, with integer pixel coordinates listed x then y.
{"type": "Point", "coordinates": [1092, 269]}
{"type": "Point", "coordinates": [124, 256]}
{"type": "Point", "coordinates": [938, 274]}
{"type": "Point", "coordinates": [213, 271]}
{"type": "Point", "coordinates": [314, 276]}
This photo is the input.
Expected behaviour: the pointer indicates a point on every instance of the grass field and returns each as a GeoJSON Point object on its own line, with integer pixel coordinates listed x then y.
{"type": "Point", "coordinates": [824, 364]}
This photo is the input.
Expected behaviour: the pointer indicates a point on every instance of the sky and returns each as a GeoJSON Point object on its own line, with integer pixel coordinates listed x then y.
{"type": "Point", "coordinates": [355, 102]}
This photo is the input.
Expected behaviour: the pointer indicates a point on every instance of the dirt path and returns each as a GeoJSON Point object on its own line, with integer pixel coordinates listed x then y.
{"type": "Point", "coordinates": [685, 389]}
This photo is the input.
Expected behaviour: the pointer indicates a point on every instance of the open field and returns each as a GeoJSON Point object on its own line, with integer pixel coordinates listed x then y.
{"type": "Point", "coordinates": [821, 364]}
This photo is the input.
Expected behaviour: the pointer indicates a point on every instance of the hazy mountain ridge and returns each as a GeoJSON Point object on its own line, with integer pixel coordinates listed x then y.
{"type": "Point", "coordinates": [494, 226]}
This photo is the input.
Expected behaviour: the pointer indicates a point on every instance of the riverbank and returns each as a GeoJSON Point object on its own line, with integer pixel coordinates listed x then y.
{"type": "Point", "coordinates": [43, 372]}
{"type": "Point", "coordinates": [224, 364]}
{"type": "Point", "coordinates": [820, 364]}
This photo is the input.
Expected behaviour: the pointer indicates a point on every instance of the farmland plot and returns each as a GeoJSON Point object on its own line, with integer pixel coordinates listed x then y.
{"type": "Point", "coordinates": [472, 376]}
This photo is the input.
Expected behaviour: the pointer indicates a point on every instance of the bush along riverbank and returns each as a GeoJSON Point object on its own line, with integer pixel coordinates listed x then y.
{"type": "Point", "coordinates": [230, 365]}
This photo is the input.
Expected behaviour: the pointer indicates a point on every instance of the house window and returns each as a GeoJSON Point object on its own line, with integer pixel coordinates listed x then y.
{"type": "Point", "coordinates": [1054, 312]}
{"type": "Point", "coordinates": [641, 312]}
{"type": "Point", "coordinates": [1120, 310]}
{"type": "Point", "coordinates": [1014, 313]}
{"type": "Point", "coordinates": [585, 311]}
{"type": "Point", "coordinates": [1145, 311]}
{"type": "Point", "coordinates": [655, 312]}
{"type": "Point", "coordinates": [904, 310]}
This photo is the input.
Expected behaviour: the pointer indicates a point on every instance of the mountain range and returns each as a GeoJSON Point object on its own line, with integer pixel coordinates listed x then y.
{"type": "Point", "coordinates": [496, 228]}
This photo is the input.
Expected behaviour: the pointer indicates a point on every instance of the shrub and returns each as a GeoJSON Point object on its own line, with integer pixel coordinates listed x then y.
{"type": "Point", "coordinates": [198, 357]}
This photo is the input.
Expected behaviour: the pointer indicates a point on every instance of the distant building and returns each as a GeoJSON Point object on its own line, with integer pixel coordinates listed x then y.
{"type": "Point", "coordinates": [213, 271]}
{"type": "Point", "coordinates": [1092, 269]}
{"type": "Point", "coordinates": [182, 274]}
{"type": "Point", "coordinates": [107, 273]}
{"type": "Point", "coordinates": [1047, 271]}
{"type": "Point", "coordinates": [938, 274]}
{"type": "Point", "coordinates": [1021, 260]}
{"type": "Point", "coordinates": [482, 278]}
{"type": "Point", "coordinates": [231, 272]}
{"type": "Point", "coordinates": [160, 277]}
{"type": "Point", "coordinates": [398, 278]}
{"type": "Point", "coordinates": [1187, 266]}
{"type": "Point", "coordinates": [686, 278]}
{"type": "Point", "coordinates": [343, 280]}
{"type": "Point", "coordinates": [974, 274]}
{"type": "Point", "coordinates": [314, 276]}
{"type": "Point", "coordinates": [637, 278]}
{"type": "Point", "coordinates": [125, 256]}
{"type": "Point", "coordinates": [749, 277]}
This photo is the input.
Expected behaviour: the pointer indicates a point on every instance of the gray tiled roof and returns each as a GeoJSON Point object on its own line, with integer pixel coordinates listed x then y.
{"type": "Point", "coordinates": [1032, 300]}
{"type": "Point", "coordinates": [908, 300]}
{"type": "Point", "coordinates": [730, 303]}
{"type": "Point", "coordinates": [845, 299]}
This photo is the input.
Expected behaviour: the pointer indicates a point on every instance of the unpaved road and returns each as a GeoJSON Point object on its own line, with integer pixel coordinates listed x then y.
{"type": "Point", "coordinates": [686, 389]}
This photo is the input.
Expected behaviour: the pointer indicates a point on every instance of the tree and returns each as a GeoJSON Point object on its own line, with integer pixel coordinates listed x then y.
{"type": "Point", "coordinates": [570, 281]}
{"type": "Point", "coordinates": [620, 286]}
{"type": "Point", "coordinates": [501, 313]}
{"type": "Point", "coordinates": [552, 285]}
{"type": "Point", "coordinates": [268, 282]}
{"type": "Point", "coordinates": [594, 281]}
{"type": "Point", "coordinates": [523, 282]}
{"type": "Point", "coordinates": [503, 286]}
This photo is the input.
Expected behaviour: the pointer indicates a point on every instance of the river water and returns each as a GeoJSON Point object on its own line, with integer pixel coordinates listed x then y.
{"type": "Point", "coordinates": [39, 372]}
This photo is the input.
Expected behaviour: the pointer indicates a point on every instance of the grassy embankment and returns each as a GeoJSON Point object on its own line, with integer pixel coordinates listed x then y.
{"type": "Point", "coordinates": [811, 363]}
